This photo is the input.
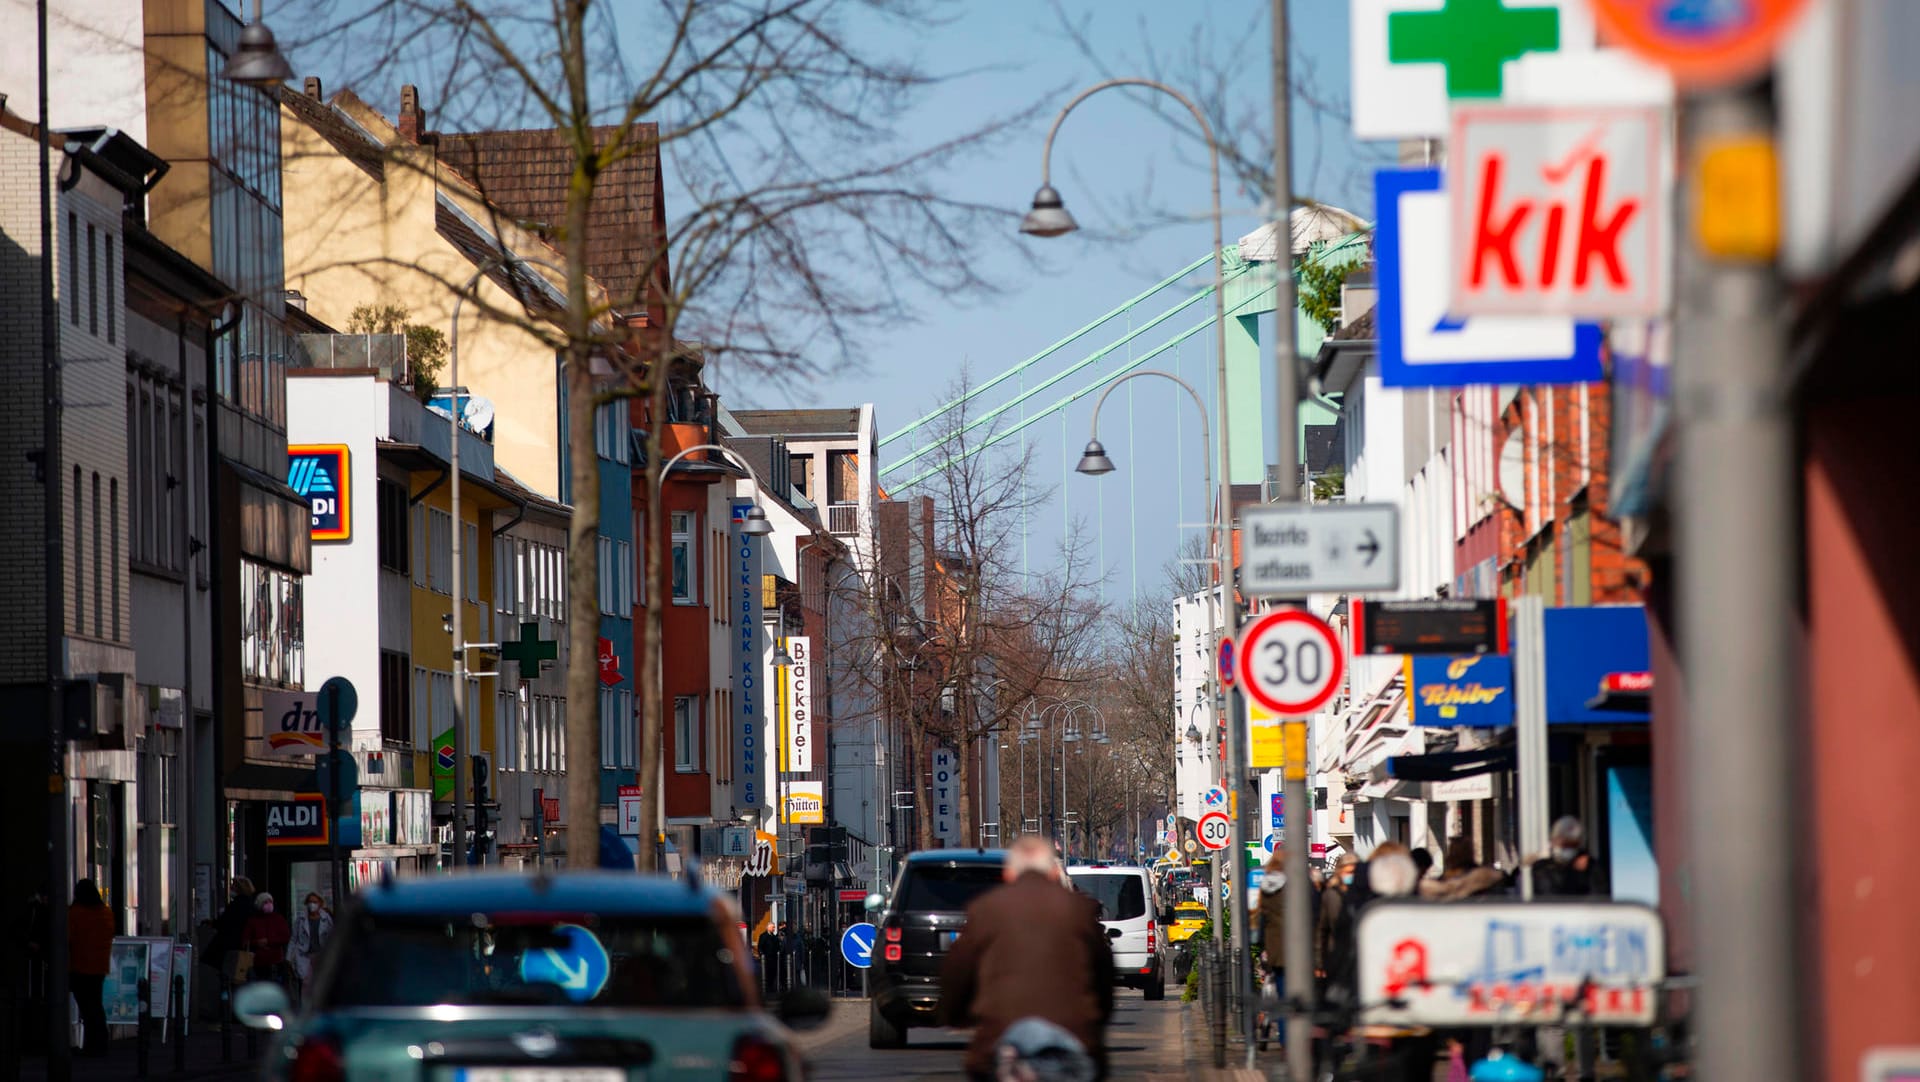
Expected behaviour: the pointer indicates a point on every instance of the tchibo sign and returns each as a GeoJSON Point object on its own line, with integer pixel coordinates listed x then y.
{"type": "Point", "coordinates": [318, 472]}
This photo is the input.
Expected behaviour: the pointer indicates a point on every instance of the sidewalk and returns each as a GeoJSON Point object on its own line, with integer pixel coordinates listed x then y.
{"type": "Point", "coordinates": [203, 1058]}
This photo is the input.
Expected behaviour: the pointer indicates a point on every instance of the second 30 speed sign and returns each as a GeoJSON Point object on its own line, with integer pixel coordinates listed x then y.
{"type": "Point", "coordinates": [1290, 662]}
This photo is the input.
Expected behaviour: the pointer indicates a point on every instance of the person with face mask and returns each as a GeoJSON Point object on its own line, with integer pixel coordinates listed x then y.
{"type": "Point", "coordinates": [1333, 932]}
{"type": "Point", "coordinates": [267, 936]}
{"type": "Point", "coordinates": [313, 926]}
{"type": "Point", "coordinates": [1568, 870]}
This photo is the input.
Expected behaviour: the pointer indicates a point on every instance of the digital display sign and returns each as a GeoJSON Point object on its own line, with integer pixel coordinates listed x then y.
{"type": "Point", "coordinates": [1430, 627]}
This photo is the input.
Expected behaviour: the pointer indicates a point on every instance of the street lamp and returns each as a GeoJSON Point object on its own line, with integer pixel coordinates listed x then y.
{"type": "Point", "coordinates": [256, 61]}
{"type": "Point", "coordinates": [1049, 218]}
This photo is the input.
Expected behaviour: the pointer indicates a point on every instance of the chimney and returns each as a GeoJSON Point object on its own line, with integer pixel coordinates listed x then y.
{"type": "Point", "coordinates": [413, 120]}
{"type": "Point", "coordinates": [313, 87]}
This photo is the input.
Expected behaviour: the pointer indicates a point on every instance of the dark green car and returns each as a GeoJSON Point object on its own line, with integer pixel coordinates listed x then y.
{"type": "Point", "coordinates": [506, 977]}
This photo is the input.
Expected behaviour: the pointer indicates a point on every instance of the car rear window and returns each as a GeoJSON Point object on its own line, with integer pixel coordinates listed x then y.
{"type": "Point", "coordinates": [548, 959]}
{"type": "Point", "coordinates": [1120, 894]}
{"type": "Point", "coordinates": [950, 889]}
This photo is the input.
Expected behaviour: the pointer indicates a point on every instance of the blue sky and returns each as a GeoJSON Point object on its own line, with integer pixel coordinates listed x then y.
{"type": "Point", "coordinates": [1114, 159]}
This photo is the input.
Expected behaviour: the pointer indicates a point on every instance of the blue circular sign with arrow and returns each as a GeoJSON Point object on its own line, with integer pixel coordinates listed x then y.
{"type": "Point", "coordinates": [856, 944]}
{"type": "Point", "coordinates": [578, 968]}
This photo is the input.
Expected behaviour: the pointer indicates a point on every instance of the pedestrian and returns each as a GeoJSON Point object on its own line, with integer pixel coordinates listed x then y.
{"type": "Point", "coordinates": [1462, 877]}
{"type": "Point", "coordinates": [89, 958]}
{"type": "Point", "coordinates": [1333, 930]}
{"type": "Point", "coordinates": [796, 954]}
{"type": "Point", "coordinates": [1034, 952]}
{"type": "Point", "coordinates": [1568, 870]}
{"type": "Point", "coordinates": [267, 936]}
{"type": "Point", "coordinates": [1391, 873]}
{"type": "Point", "coordinates": [1423, 862]}
{"type": "Point", "coordinates": [1272, 920]}
{"type": "Point", "coordinates": [310, 935]}
{"type": "Point", "coordinates": [770, 960]}
{"type": "Point", "coordinates": [230, 929]}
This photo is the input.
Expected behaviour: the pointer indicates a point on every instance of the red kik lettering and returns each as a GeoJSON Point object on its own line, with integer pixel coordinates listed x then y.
{"type": "Point", "coordinates": [1597, 238]}
{"type": "Point", "coordinates": [1496, 240]}
{"type": "Point", "coordinates": [1550, 246]}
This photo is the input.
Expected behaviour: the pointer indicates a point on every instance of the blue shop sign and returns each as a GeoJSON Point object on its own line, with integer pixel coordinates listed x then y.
{"type": "Point", "coordinates": [1584, 646]}
{"type": "Point", "coordinates": [1460, 691]}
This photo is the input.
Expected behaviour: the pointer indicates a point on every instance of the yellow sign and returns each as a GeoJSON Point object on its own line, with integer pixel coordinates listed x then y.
{"type": "Point", "coordinates": [1738, 188]}
{"type": "Point", "coordinates": [806, 803]}
{"type": "Point", "coordinates": [769, 591]}
{"type": "Point", "coordinates": [1265, 744]}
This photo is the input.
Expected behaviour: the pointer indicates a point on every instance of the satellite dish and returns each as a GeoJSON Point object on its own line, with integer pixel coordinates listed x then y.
{"type": "Point", "coordinates": [479, 413]}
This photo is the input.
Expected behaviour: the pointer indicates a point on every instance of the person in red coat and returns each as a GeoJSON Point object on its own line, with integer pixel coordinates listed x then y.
{"type": "Point", "coordinates": [89, 959]}
{"type": "Point", "coordinates": [267, 935]}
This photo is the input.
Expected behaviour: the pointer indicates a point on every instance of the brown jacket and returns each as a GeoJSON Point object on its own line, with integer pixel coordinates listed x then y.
{"type": "Point", "coordinates": [1031, 949]}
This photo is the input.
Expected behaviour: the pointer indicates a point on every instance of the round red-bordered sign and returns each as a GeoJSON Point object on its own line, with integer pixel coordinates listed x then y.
{"type": "Point", "coordinates": [1214, 830]}
{"type": "Point", "coordinates": [1718, 44]}
{"type": "Point", "coordinates": [1227, 669]}
{"type": "Point", "coordinates": [1290, 662]}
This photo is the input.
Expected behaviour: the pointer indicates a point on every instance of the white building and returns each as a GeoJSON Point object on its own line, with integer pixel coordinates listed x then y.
{"type": "Point", "coordinates": [1196, 726]}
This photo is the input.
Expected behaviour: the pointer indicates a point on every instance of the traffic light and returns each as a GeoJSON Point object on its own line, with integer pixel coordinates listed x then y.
{"type": "Point", "coordinates": [481, 798]}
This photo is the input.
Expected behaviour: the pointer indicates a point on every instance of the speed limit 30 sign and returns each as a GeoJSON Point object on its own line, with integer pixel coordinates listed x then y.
{"type": "Point", "coordinates": [1214, 830]}
{"type": "Point", "coordinates": [1290, 662]}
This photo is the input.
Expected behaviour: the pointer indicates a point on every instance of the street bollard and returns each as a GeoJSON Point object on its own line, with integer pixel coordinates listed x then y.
{"type": "Point", "coordinates": [226, 1016]}
{"type": "Point", "coordinates": [141, 1028]}
{"type": "Point", "coordinates": [176, 1022]}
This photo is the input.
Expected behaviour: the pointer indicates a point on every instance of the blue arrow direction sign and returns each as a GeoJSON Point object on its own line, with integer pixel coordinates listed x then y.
{"type": "Point", "coordinates": [579, 968]}
{"type": "Point", "coordinates": [1421, 344]}
{"type": "Point", "coordinates": [856, 944]}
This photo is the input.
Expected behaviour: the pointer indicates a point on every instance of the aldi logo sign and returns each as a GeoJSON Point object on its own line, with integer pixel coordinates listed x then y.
{"type": "Point", "coordinates": [319, 472]}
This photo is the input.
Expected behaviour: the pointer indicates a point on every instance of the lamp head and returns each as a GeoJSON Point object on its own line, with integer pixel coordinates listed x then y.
{"type": "Point", "coordinates": [1094, 461]}
{"type": "Point", "coordinates": [756, 524]}
{"type": "Point", "coordinates": [257, 60]}
{"type": "Point", "coordinates": [1049, 217]}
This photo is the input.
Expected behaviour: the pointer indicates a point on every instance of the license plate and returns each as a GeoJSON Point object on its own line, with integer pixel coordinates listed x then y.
{"type": "Point", "coordinates": [540, 1074]}
{"type": "Point", "coordinates": [947, 939]}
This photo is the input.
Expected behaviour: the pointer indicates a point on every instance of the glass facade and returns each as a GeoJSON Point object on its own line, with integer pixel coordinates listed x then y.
{"type": "Point", "coordinates": [272, 625]}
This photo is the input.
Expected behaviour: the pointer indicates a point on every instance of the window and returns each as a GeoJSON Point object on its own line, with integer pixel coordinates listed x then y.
{"type": "Point", "coordinates": [639, 558]}
{"type": "Point", "coordinates": [616, 578]}
{"type": "Point", "coordinates": [470, 560]}
{"type": "Point", "coordinates": [396, 705]}
{"type": "Point", "coordinates": [96, 553]}
{"type": "Point", "coordinates": [73, 268]}
{"type": "Point", "coordinates": [610, 431]}
{"type": "Point", "coordinates": [113, 536]}
{"type": "Point", "coordinates": [93, 283]}
{"type": "Point", "coordinates": [506, 731]}
{"type": "Point", "coordinates": [395, 537]}
{"type": "Point", "coordinates": [686, 733]}
{"type": "Point", "coordinates": [272, 625]}
{"type": "Point", "coordinates": [439, 551]}
{"type": "Point", "coordinates": [111, 321]}
{"type": "Point", "coordinates": [800, 472]}
{"type": "Point", "coordinates": [617, 728]}
{"type": "Point", "coordinates": [686, 589]}
{"type": "Point", "coordinates": [843, 477]}
{"type": "Point", "coordinates": [418, 536]}
{"type": "Point", "coordinates": [79, 555]}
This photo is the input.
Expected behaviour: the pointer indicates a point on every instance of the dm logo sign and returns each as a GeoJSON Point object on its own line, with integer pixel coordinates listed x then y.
{"type": "Point", "coordinates": [318, 471]}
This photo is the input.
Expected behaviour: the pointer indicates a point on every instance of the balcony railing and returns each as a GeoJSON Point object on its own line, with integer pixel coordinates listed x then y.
{"type": "Point", "coordinates": [843, 518]}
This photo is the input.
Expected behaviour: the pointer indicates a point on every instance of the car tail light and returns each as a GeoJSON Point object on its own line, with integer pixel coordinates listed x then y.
{"type": "Point", "coordinates": [1150, 939]}
{"type": "Point", "coordinates": [893, 933]}
{"type": "Point", "coordinates": [754, 1060]}
{"type": "Point", "coordinates": [317, 1060]}
{"type": "Point", "coordinates": [893, 952]}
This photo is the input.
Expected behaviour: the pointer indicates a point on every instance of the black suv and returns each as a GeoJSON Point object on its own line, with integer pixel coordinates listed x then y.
{"type": "Point", "coordinates": [921, 919]}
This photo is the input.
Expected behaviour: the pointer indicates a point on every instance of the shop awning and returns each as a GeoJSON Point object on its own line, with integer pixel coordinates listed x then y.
{"type": "Point", "coordinates": [1626, 692]}
{"type": "Point", "coordinates": [1450, 765]}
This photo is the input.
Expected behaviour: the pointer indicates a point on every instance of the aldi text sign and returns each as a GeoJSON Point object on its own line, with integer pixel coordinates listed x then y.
{"type": "Point", "coordinates": [1558, 210]}
{"type": "Point", "coordinates": [318, 472]}
{"type": "Point", "coordinates": [300, 821]}
{"type": "Point", "coordinates": [1510, 963]}
{"type": "Point", "coordinates": [1422, 342]}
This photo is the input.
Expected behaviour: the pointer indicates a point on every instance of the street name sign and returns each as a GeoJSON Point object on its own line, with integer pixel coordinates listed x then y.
{"type": "Point", "coordinates": [1558, 210]}
{"type": "Point", "coordinates": [1291, 550]}
{"type": "Point", "coordinates": [1421, 342]}
{"type": "Point", "coordinates": [630, 797]}
{"type": "Point", "coordinates": [1290, 662]}
{"type": "Point", "coordinates": [1412, 59]}
{"type": "Point", "coordinates": [1214, 830]}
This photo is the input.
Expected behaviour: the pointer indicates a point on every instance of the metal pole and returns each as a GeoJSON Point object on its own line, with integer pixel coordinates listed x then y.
{"type": "Point", "coordinates": [1737, 571]}
{"type": "Point", "coordinates": [59, 1038]}
{"type": "Point", "coordinates": [461, 853]}
{"type": "Point", "coordinates": [1293, 781]}
{"type": "Point", "coordinates": [335, 776]}
{"type": "Point", "coordinates": [1530, 732]}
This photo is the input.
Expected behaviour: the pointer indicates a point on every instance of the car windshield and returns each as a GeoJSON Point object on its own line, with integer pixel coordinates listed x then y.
{"type": "Point", "coordinates": [1119, 893]}
{"type": "Point", "coordinates": [547, 959]}
{"type": "Point", "coordinates": [949, 889]}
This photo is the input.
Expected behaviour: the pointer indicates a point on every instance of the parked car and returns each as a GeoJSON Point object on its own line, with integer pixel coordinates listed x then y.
{"type": "Point", "coordinates": [1125, 893]}
{"type": "Point", "coordinates": [590, 976]}
{"type": "Point", "coordinates": [1188, 917]}
{"type": "Point", "coordinates": [918, 921]}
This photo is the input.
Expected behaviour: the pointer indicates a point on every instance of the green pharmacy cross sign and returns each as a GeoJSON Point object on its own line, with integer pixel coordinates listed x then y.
{"type": "Point", "coordinates": [1473, 38]}
{"type": "Point", "coordinates": [530, 650]}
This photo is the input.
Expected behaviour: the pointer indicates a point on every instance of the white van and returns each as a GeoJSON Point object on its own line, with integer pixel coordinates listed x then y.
{"type": "Point", "coordinates": [1125, 894]}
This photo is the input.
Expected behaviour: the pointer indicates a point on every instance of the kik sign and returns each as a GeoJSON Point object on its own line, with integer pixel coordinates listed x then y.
{"type": "Point", "coordinates": [1558, 211]}
{"type": "Point", "coordinates": [1412, 59]}
{"type": "Point", "coordinates": [318, 472]}
{"type": "Point", "coordinates": [300, 821]}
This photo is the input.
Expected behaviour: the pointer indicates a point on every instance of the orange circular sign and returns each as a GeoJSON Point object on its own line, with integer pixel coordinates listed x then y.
{"type": "Point", "coordinates": [1700, 41]}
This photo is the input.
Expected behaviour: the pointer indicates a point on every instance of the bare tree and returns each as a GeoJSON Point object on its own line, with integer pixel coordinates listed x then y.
{"type": "Point", "coordinates": [797, 195]}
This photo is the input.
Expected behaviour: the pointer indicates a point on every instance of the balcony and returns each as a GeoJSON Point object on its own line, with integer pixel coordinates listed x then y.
{"type": "Point", "coordinates": [843, 519]}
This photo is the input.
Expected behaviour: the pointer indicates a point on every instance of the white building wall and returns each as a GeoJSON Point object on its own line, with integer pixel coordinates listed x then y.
{"type": "Point", "coordinates": [96, 72]}
{"type": "Point", "coordinates": [1196, 766]}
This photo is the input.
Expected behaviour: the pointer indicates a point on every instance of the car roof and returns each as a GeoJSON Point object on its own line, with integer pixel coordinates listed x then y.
{"type": "Point", "coordinates": [607, 893]}
{"type": "Point", "coordinates": [957, 856]}
{"type": "Point", "coordinates": [1105, 869]}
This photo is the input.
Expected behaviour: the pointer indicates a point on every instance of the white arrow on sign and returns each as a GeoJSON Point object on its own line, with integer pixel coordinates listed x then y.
{"type": "Point", "coordinates": [573, 980]}
{"type": "Point", "coordinates": [1300, 549]}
